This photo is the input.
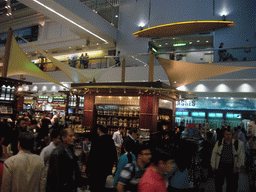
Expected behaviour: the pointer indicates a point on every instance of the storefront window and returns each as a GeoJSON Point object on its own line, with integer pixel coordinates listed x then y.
{"type": "Point", "coordinates": [7, 93]}
{"type": "Point", "coordinates": [81, 102]}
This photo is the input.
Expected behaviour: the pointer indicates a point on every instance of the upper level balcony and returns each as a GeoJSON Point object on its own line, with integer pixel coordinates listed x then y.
{"type": "Point", "coordinates": [107, 9]}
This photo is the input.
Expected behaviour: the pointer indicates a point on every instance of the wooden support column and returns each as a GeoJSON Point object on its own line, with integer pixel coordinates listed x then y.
{"type": "Point", "coordinates": [77, 104]}
{"type": "Point", "coordinates": [20, 102]}
{"type": "Point", "coordinates": [151, 67]}
{"type": "Point", "coordinates": [7, 52]}
{"type": "Point", "coordinates": [123, 71]}
{"type": "Point", "coordinates": [67, 104]}
{"type": "Point", "coordinates": [89, 111]}
{"type": "Point", "coordinates": [148, 112]}
{"type": "Point", "coordinates": [173, 114]}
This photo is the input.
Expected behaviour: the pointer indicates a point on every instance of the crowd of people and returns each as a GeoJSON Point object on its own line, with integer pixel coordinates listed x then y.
{"type": "Point", "coordinates": [44, 159]}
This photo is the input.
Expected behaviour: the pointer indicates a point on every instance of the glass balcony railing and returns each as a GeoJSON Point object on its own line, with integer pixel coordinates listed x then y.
{"type": "Point", "coordinates": [206, 56]}
{"type": "Point", "coordinates": [106, 9]}
{"type": "Point", "coordinates": [212, 55]}
{"type": "Point", "coordinates": [94, 63]}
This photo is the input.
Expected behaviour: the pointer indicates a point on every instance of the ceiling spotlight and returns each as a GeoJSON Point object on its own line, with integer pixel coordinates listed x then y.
{"type": "Point", "coordinates": [173, 38]}
{"type": "Point", "coordinates": [124, 90]}
{"type": "Point", "coordinates": [140, 91]}
{"type": "Point", "coordinates": [69, 47]}
{"type": "Point", "coordinates": [198, 41]}
{"type": "Point", "coordinates": [232, 98]}
{"type": "Point", "coordinates": [174, 82]}
{"type": "Point", "coordinates": [190, 42]}
{"type": "Point", "coordinates": [110, 90]}
{"type": "Point", "coordinates": [82, 45]}
{"type": "Point", "coordinates": [219, 97]}
{"type": "Point", "coordinates": [116, 16]}
{"type": "Point", "coordinates": [97, 44]}
{"type": "Point", "coordinates": [207, 41]}
{"type": "Point", "coordinates": [166, 43]}
{"type": "Point", "coordinates": [112, 24]}
{"type": "Point", "coordinates": [160, 45]}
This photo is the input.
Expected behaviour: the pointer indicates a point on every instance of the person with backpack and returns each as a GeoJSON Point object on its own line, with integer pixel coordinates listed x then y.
{"type": "Point", "coordinates": [227, 158]}
{"type": "Point", "coordinates": [126, 158]}
{"type": "Point", "coordinates": [132, 173]}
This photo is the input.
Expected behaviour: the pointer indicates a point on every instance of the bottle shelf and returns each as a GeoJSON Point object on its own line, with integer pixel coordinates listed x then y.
{"type": "Point", "coordinates": [136, 117]}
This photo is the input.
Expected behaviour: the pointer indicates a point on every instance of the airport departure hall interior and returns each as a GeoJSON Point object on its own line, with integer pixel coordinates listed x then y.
{"type": "Point", "coordinates": [127, 95]}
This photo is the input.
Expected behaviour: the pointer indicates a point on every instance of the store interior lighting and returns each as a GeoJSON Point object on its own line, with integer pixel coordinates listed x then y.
{"type": "Point", "coordinates": [62, 16]}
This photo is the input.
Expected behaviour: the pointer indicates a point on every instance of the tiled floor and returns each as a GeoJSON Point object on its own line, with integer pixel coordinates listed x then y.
{"type": "Point", "coordinates": [209, 186]}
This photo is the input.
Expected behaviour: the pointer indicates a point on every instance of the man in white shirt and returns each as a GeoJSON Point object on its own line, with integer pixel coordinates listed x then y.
{"type": "Point", "coordinates": [118, 139]}
{"type": "Point", "coordinates": [46, 152]}
{"type": "Point", "coordinates": [24, 172]}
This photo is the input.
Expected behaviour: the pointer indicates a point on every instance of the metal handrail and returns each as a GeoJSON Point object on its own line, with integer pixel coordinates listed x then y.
{"type": "Point", "coordinates": [202, 50]}
{"type": "Point", "coordinates": [97, 6]}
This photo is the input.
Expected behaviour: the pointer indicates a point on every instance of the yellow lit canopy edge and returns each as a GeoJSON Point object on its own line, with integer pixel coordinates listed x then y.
{"type": "Point", "coordinates": [183, 28]}
{"type": "Point", "coordinates": [183, 73]}
{"type": "Point", "coordinates": [20, 64]}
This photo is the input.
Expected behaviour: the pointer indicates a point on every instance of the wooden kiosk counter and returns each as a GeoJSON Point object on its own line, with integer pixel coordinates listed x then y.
{"type": "Point", "coordinates": [136, 104]}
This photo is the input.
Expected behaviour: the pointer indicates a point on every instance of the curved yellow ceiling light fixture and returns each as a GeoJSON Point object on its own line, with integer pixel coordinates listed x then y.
{"type": "Point", "coordinates": [62, 16]}
{"type": "Point", "coordinates": [182, 28]}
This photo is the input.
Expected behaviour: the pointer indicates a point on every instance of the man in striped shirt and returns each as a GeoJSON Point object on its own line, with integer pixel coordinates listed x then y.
{"type": "Point", "coordinates": [132, 172]}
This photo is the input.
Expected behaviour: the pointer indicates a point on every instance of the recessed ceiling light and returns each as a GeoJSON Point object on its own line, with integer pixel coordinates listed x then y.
{"type": "Point", "coordinates": [97, 44]}
{"type": "Point", "coordinates": [50, 9]}
{"type": "Point", "coordinates": [190, 42]}
{"type": "Point", "coordinates": [231, 98]}
{"type": "Point", "coordinates": [116, 16]}
{"type": "Point", "coordinates": [160, 45]}
{"type": "Point", "coordinates": [112, 24]}
{"type": "Point", "coordinates": [26, 53]}
{"type": "Point", "coordinates": [69, 47]}
{"type": "Point", "coordinates": [207, 97]}
{"type": "Point", "coordinates": [219, 97]}
{"type": "Point", "coordinates": [173, 38]}
{"type": "Point", "coordinates": [198, 41]}
{"type": "Point", "coordinates": [245, 98]}
{"type": "Point", "coordinates": [166, 43]}
{"type": "Point", "coordinates": [207, 41]}
{"type": "Point", "coordinates": [82, 45]}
